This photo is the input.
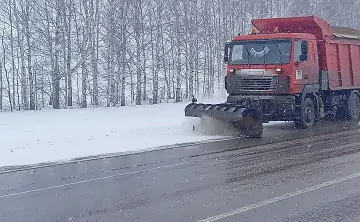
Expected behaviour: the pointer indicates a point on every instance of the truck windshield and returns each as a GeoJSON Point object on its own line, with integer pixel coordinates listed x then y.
{"type": "Point", "coordinates": [258, 52]}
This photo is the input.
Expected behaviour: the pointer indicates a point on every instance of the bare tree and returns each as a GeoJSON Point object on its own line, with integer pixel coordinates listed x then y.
{"type": "Point", "coordinates": [67, 16]}
{"type": "Point", "coordinates": [56, 72]}
{"type": "Point", "coordinates": [6, 72]}
{"type": "Point", "coordinates": [11, 9]}
{"type": "Point", "coordinates": [95, 18]}
{"type": "Point", "coordinates": [26, 20]}
{"type": "Point", "coordinates": [23, 75]}
{"type": "Point", "coordinates": [89, 52]}
{"type": "Point", "coordinates": [110, 42]}
{"type": "Point", "coordinates": [137, 7]}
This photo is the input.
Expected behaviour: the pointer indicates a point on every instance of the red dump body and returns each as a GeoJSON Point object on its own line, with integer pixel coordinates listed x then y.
{"type": "Point", "coordinates": [342, 60]}
{"type": "Point", "coordinates": [338, 48]}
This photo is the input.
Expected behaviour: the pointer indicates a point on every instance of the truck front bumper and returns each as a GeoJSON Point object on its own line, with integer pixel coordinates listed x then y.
{"type": "Point", "coordinates": [273, 107]}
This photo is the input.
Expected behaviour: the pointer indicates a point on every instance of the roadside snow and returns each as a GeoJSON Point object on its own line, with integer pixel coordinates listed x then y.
{"type": "Point", "coordinates": [60, 135]}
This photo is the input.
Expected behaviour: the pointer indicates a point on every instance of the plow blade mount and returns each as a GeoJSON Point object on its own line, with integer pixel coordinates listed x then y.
{"type": "Point", "coordinates": [241, 117]}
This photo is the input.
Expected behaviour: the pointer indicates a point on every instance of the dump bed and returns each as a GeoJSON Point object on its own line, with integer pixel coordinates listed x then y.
{"type": "Point", "coordinates": [338, 47]}
{"type": "Point", "coordinates": [342, 58]}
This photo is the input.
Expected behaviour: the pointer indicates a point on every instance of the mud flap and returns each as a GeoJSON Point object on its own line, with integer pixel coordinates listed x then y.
{"type": "Point", "coordinates": [252, 126]}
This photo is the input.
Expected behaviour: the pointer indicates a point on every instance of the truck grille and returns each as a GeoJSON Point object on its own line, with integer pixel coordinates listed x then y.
{"type": "Point", "coordinates": [258, 84]}
{"type": "Point", "coordinates": [238, 84]}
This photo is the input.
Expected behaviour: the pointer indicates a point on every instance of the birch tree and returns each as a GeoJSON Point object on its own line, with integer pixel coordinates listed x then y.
{"type": "Point", "coordinates": [81, 53]}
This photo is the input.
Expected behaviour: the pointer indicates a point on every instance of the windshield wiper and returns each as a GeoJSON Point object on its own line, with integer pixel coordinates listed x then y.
{"type": "Point", "coordinates": [264, 55]}
{"type": "Point", "coordinates": [248, 54]}
{"type": "Point", "coordinates": [277, 46]}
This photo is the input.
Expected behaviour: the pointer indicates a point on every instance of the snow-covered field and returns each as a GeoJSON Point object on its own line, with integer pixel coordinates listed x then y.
{"type": "Point", "coordinates": [60, 135]}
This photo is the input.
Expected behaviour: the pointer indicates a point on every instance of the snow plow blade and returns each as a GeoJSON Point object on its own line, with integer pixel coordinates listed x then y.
{"type": "Point", "coordinates": [241, 117]}
{"type": "Point", "coordinates": [224, 111]}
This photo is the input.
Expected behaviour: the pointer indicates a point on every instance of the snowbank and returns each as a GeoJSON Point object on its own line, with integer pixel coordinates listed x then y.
{"type": "Point", "coordinates": [58, 135]}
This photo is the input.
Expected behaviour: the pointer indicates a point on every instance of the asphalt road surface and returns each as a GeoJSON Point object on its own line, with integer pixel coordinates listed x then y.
{"type": "Point", "coordinates": [289, 175]}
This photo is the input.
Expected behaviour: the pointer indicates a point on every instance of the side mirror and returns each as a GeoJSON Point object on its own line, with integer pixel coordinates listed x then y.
{"type": "Point", "coordinates": [226, 59]}
{"type": "Point", "coordinates": [226, 53]}
{"type": "Point", "coordinates": [304, 47]}
{"type": "Point", "coordinates": [303, 57]}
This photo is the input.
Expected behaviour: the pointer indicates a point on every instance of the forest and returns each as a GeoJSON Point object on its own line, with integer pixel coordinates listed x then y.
{"type": "Point", "coordinates": [63, 54]}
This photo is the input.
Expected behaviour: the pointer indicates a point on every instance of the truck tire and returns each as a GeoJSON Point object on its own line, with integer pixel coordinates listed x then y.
{"type": "Point", "coordinates": [353, 107]}
{"type": "Point", "coordinates": [307, 118]}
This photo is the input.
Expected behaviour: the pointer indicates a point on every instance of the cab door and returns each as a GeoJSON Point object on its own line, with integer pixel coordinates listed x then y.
{"type": "Point", "coordinates": [306, 69]}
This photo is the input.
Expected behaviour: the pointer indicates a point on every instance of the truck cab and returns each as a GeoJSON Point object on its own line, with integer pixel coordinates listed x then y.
{"type": "Point", "coordinates": [271, 64]}
{"type": "Point", "coordinates": [271, 70]}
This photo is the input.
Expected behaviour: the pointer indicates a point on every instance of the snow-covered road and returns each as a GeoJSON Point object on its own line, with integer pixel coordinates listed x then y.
{"type": "Point", "coordinates": [59, 135]}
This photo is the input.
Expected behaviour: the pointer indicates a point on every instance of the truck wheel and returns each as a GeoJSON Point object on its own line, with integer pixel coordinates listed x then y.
{"type": "Point", "coordinates": [307, 114]}
{"type": "Point", "coordinates": [353, 107]}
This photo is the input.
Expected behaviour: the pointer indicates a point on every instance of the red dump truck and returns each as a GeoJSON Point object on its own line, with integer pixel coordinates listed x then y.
{"type": "Point", "coordinates": [297, 69]}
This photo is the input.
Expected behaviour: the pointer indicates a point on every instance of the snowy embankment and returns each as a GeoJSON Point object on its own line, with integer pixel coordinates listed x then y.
{"type": "Point", "coordinates": [60, 135]}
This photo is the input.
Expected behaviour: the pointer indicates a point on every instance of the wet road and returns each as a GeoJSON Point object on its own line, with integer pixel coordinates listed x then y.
{"type": "Point", "coordinates": [289, 175]}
